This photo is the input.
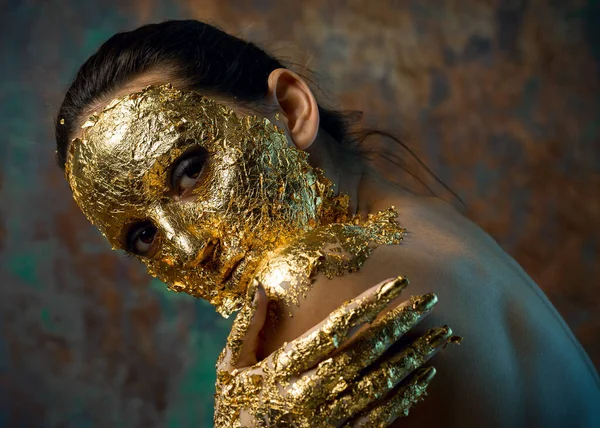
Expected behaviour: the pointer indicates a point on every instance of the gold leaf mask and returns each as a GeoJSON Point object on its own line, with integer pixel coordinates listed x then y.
{"type": "Point", "coordinates": [254, 193]}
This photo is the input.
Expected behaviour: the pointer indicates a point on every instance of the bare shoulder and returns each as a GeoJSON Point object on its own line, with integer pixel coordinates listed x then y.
{"type": "Point", "coordinates": [519, 364]}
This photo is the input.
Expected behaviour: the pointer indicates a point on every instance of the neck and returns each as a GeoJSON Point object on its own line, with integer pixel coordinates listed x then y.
{"type": "Point", "coordinates": [368, 191]}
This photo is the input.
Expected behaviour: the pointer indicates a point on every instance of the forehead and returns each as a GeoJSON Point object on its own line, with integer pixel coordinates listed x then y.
{"type": "Point", "coordinates": [123, 153]}
{"type": "Point", "coordinates": [132, 131]}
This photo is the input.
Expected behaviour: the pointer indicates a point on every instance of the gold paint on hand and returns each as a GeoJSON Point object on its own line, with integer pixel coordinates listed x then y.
{"type": "Point", "coordinates": [319, 379]}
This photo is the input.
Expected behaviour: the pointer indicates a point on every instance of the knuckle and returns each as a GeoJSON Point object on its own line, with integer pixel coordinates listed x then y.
{"type": "Point", "coordinates": [299, 394]}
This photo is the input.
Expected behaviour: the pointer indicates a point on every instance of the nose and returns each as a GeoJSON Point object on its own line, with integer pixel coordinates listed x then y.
{"type": "Point", "coordinates": [187, 244]}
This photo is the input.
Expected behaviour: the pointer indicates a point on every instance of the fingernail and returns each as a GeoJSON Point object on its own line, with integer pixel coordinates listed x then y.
{"type": "Point", "coordinates": [425, 374]}
{"type": "Point", "coordinates": [439, 336]}
{"type": "Point", "coordinates": [456, 339]}
{"type": "Point", "coordinates": [392, 289]}
{"type": "Point", "coordinates": [425, 302]}
{"type": "Point", "coordinates": [258, 289]}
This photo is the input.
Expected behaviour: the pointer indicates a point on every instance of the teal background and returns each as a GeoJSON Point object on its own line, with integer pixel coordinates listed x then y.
{"type": "Point", "coordinates": [499, 98]}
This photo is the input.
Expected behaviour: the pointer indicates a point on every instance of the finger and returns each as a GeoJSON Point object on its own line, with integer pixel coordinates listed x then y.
{"type": "Point", "coordinates": [333, 375]}
{"type": "Point", "coordinates": [383, 414]}
{"type": "Point", "coordinates": [251, 338]}
{"type": "Point", "coordinates": [307, 350]}
{"type": "Point", "coordinates": [380, 380]}
{"type": "Point", "coordinates": [244, 338]}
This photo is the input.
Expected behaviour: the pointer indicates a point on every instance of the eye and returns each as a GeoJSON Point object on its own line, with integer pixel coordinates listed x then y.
{"type": "Point", "coordinates": [187, 170]}
{"type": "Point", "coordinates": [140, 238]}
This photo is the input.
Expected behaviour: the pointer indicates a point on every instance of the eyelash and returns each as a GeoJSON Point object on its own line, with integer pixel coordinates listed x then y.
{"type": "Point", "coordinates": [194, 157]}
{"type": "Point", "coordinates": [134, 233]}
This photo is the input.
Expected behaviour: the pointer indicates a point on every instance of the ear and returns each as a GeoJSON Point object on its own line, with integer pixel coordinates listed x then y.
{"type": "Point", "coordinates": [297, 105]}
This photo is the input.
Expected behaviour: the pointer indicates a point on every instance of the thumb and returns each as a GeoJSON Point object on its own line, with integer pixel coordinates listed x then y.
{"type": "Point", "coordinates": [244, 339]}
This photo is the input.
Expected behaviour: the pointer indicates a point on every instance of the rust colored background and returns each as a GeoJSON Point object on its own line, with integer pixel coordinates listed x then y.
{"type": "Point", "coordinates": [500, 99]}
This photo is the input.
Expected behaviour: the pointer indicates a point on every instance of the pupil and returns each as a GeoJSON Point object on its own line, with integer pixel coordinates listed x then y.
{"type": "Point", "coordinates": [194, 169]}
{"type": "Point", "coordinates": [147, 235]}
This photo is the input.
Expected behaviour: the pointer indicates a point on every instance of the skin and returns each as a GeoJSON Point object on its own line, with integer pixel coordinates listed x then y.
{"type": "Point", "coordinates": [519, 364]}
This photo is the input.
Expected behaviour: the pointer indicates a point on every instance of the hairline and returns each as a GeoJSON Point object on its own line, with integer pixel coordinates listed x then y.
{"type": "Point", "coordinates": [155, 76]}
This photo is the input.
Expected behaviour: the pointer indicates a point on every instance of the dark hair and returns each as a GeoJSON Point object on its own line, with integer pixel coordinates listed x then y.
{"type": "Point", "coordinates": [207, 59]}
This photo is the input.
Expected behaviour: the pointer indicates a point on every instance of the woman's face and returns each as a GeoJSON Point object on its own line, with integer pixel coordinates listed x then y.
{"type": "Point", "coordinates": [197, 192]}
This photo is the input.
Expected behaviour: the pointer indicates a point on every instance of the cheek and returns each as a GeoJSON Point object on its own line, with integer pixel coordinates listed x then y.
{"type": "Point", "coordinates": [157, 269]}
{"type": "Point", "coordinates": [178, 278]}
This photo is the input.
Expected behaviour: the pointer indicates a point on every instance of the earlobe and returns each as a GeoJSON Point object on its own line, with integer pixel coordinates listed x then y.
{"type": "Point", "coordinates": [296, 104]}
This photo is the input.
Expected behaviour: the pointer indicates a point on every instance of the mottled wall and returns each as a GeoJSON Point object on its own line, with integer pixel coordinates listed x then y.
{"type": "Point", "coordinates": [499, 98]}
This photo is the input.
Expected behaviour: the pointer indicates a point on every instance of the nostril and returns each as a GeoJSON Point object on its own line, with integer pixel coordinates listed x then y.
{"type": "Point", "coordinates": [205, 253]}
{"type": "Point", "coordinates": [209, 249]}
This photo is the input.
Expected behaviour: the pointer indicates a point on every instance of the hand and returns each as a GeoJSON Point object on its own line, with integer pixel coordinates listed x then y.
{"type": "Point", "coordinates": [333, 374]}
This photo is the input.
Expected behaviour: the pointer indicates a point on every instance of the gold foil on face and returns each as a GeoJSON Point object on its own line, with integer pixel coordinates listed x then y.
{"type": "Point", "coordinates": [287, 273]}
{"type": "Point", "coordinates": [255, 195]}
{"type": "Point", "coordinates": [259, 204]}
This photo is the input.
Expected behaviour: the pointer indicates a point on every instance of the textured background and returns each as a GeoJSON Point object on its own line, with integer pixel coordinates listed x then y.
{"type": "Point", "coordinates": [499, 98]}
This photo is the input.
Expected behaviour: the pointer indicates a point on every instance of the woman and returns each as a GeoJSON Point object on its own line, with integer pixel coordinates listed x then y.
{"type": "Point", "coordinates": [506, 372]}
{"type": "Point", "coordinates": [254, 214]}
